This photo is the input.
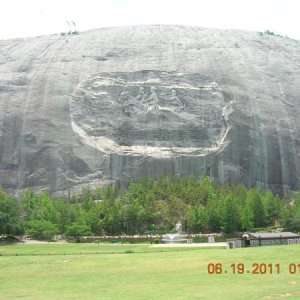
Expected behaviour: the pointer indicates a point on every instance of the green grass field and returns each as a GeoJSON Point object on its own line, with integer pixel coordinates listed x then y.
{"type": "Point", "coordinates": [75, 271]}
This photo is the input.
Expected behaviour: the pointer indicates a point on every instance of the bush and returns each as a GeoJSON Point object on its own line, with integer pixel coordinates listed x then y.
{"type": "Point", "coordinates": [42, 229]}
{"type": "Point", "coordinates": [77, 230]}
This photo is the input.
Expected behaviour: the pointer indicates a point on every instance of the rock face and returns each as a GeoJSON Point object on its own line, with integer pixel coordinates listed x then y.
{"type": "Point", "coordinates": [115, 104]}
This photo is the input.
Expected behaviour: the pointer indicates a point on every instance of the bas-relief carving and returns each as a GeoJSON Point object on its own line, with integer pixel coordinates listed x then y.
{"type": "Point", "coordinates": [133, 106]}
{"type": "Point", "coordinates": [150, 111]}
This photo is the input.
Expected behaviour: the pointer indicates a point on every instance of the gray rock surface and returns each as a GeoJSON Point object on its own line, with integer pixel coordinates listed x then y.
{"type": "Point", "coordinates": [114, 104]}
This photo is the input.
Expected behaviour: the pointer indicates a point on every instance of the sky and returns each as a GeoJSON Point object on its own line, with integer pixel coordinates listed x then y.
{"type": "Point", "coordinates": [23, 18]}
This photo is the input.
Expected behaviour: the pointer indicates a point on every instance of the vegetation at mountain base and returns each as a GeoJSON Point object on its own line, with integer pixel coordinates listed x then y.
{"type": "Point", "coordinates": [148, 206]}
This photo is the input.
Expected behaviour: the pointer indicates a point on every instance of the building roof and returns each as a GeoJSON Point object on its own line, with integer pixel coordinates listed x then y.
{"type": "Point", "coordinates": [271, 235]}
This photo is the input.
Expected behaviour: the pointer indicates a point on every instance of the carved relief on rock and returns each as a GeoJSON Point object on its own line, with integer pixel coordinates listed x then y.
{"type": "Point", "coordinates": [141, 103]}
{"type": "Point", "coordinates": [151, 109]}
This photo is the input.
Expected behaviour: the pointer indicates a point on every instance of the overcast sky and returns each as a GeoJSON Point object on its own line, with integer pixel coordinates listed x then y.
{"type": "Point", "coordinates": [21, 18]}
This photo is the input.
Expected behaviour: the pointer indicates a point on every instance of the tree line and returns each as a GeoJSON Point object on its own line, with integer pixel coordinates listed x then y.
{"type": "Point", "coordinates": [148, 206]}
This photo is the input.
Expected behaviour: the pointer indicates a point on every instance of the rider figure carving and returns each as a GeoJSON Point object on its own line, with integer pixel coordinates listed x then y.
{"type": "Point", "coordinates": [141, 95]}
{"type": "Point", "coordinates": [152, 100]}
{"type": "Point", "coordinates": [176, 104]}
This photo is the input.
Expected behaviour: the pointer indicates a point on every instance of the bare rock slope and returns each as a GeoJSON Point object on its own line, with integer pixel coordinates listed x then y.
{"type": "Point", "coordinates": [115, 104]}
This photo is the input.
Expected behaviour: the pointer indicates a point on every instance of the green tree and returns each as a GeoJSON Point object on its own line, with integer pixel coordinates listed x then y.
{"type": "Point", "coordinates": [230, 215]}
{"type": "Point", "coordinates": [9, 215]}
{"type": "Point", "coordinates": [246, 218]}
{"type": "Point", "coordinates": [77, 230]}
{"type": "Point", "coordinates": [239, 192]}
{"type": "Point", "coordinates": [214, 213]}
{"type": "Point", "coordinates": [292, 220]}
{"type": "Point", "coordinates": [272, 207]}
{"type": "Point", "coordinates": [112, 216]}
{"type": "Point", "coordinates": [41, 229]}
{"type": "Point", "coordinates": [63, 209]}
{"type": "Point", "coordinates": [39, 207]}
{"type": "Point", "coordinates": [197, 219]}
{"type": "Point", "coordinates": [93, 219]}
{"type": "Point", "coordinates": [155, 205]}
{"type": "Point", "coordinates": [255, 205]}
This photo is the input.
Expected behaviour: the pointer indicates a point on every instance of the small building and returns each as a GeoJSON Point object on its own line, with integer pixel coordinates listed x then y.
{"type": "Point", "coordinates": [256, 239]}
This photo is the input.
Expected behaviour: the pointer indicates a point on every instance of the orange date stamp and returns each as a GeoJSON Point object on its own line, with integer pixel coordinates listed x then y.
{"type": "Point", "coordinates": [254, 268]}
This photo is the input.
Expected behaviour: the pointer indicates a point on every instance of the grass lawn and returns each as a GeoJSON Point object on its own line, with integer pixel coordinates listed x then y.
{"type": "Point", "coordinates": [170, 274]}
